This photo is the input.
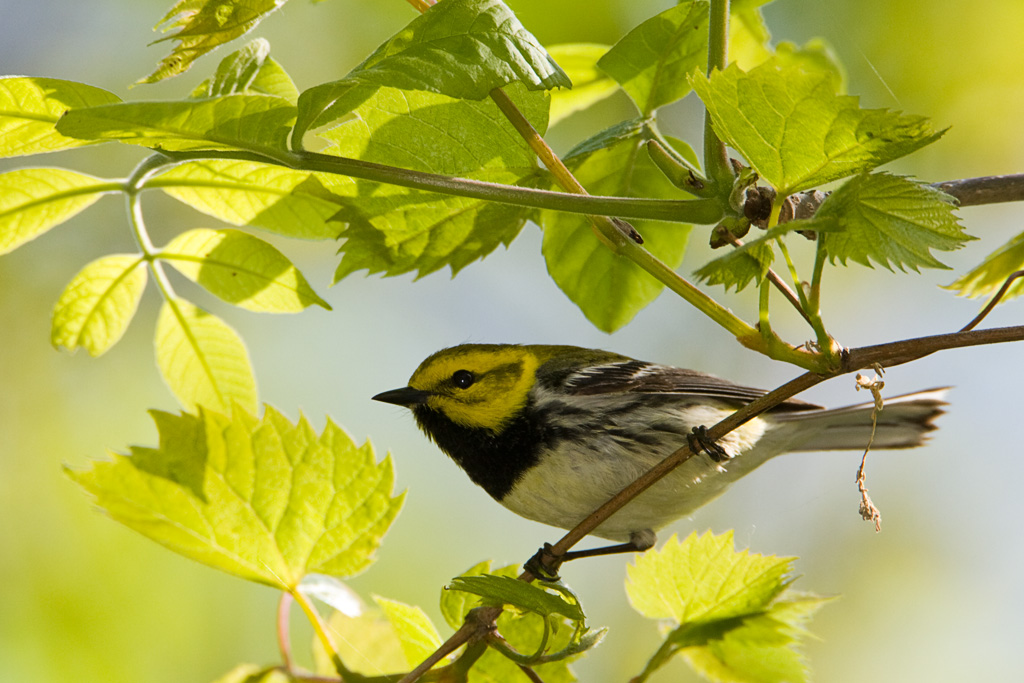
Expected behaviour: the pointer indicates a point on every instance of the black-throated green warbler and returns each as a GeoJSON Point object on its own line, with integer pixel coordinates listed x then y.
{"type": "Point", "coordinates": [552, 432]}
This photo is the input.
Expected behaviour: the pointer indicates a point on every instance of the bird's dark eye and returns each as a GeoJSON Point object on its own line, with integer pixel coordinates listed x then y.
{"type": "Point", "coordinates": [463, 379]}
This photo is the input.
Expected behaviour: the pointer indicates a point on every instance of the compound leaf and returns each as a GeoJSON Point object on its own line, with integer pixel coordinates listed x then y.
{"type": "Point", "coordinates": [264, 499]}
{"type": "Point", "coordinates": [796, 132]}
{"type": "Point", "coordinates": [652, 61]}
{"type": "Point", "coordinates": [242, 270]}
{"type": "Point", "coordinates": [589, 84]}
{"type": "Point", "coordinates": [33, 200]}
{"type": "Point", "coordinates": [30, 107]}
{"type": "Point", "coordinates": [257, 122]}
{"type": "Point", "coordinates": [203, 360]}
{"type": "Point", "coordinates": [98, 304]}
{"type": "Point", "coordinates": [281, 200]}
{"type": "Point", "coordinates": [892, 221]}
{"type": "Point", "coordinates": [203, 25]}
{"type": "Point", "coordinates": [608, 289]}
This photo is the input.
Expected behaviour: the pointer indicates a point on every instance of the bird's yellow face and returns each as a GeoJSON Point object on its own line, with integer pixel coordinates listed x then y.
{"type": "Point", "coordinates": [478, 386]}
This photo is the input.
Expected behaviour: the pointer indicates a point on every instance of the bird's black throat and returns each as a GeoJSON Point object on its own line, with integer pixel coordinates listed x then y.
{"type": "Point", "coordinates": [493, 461]}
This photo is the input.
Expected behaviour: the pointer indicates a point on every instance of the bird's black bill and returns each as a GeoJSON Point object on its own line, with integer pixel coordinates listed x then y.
{"type": "Point", "coordinates": [406, 396]}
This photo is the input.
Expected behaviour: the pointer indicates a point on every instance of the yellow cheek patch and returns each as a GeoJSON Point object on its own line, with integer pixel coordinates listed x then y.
{"type": "Point", "coordinates": [503, 379]}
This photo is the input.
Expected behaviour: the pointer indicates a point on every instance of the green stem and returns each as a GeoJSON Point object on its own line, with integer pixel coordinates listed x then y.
{"type": "Point", "coordinates": [764, 324]}
{"type": "Point", "coordinates": [825, 342]}
{"type": "Point", "coordinates": [133, 187]}
{"type": "Point", "coordinates": [716, 160]}
{"type": "Point", "coordinates": [320, 628]}
{"type": "Point", "coordinates": [701, 211]}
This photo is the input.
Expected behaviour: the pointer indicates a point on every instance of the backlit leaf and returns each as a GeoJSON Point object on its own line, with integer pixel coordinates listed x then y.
{"type": "Point", "coordinates": [397, 230]}
{"type": "Point", "coordinates": [30, 107]}
{"type": "Point", "coordinates": [242, 270]}
{"type": "Point", "coordinates": [203, 25]}
{"type": "Point", "coordinates": [892, 221]}
{"type": "Point", "coordinates": [589, 84]}
{"type": "Point", "coordinates": [988, 276]}
{"type": "Point", "coordinates": [609, 289]}
{"type": "Point", "coordinates": [796, 132]}
{"type": "Point", "coordinates": [33, 200]}
{"type": "Point", "coordinates": [278, 199]}
{"type": "Point", "coordinates": [250, 70]}
{"type": "Point", "coordinates": [256, 122]}
{"type": "Point", "coordinates": [416, 633]}
{"type": "Point", "coordinates": [264, 499]}
{"type": "Point", "coordinates": [651, 62]}
{"type": "Point", "coordinates": [98, 304]}
{"type": "Point", "coordinates": [203, 360]}
{"type": "Point", "coordinates": [703, 579]}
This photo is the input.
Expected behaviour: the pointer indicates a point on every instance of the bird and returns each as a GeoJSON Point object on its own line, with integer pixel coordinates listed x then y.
{"type": "Point", "coordinates": [552, 432]}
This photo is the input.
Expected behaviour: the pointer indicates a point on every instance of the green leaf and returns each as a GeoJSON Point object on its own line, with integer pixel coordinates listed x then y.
{"type": "Point", "coordinates": [33, 200]}
{"type": "Point", "coordinates": [264, 499]}
{"type": "Point", "coordinates": [397, 230]}
{"type": "Point", "coordinates": [367, 644]}
{"type": "Point", "coordinates": [589, 84]}
{"type": "Point", "coordinates": [257, 122]}
{"type": "Point", "coordinates": [462, 49]}
{"type": "Point", "coordinates": [506, 590]}
{"type": "Point", "coordinates": [816, 56]}
{"type": "Point", "coordinates": [740, 266]}
{"type": "Point", "coordinates": [459, 48]}
{"type": "Point", "coordinates": [455, 605]}
{"type": "Point", "coordinates": [749, 37]}
{"type": "Point", "coordinates": [525, 633]}
{"type": "Point", "coordinates": [416, 633]}
{"type": "Point", "coordinates": [652, 61]}
{"type": "Point", "coordinates": [202, 360]}
{"type": "Point", "coordinates": [892, 221]}
{"type": "Point", "coordinates": [703, 579]}
{"type": "Point", "coordinates": [735, 620]}
{"type": "Point", "coordinates": [251, 673]}
{"type": "Point", "coordinates": [250, 70]}
{"type": "Point", "coordinates": [98, 304]}
{"type": "Point", "coordinates": [989, 275]}
{"type": "Point", "coordinates": [29, 108]}
{"type": "Point", "coordinates": [242, 270]}
{"type": "Point", "coordinates": [796, 132]}
{"type": "Point", "coordinates": [763, 648]}
{"type": "Point", "coordinates": [203, 25]}
{"type": "Point", "coordinates": [609, 289]}
{"type": "Point", "coordinates": [290, 203]}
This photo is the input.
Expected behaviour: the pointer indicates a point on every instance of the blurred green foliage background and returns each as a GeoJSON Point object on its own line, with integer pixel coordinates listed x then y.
{"type": "Point", "coordinates": [937, 596]}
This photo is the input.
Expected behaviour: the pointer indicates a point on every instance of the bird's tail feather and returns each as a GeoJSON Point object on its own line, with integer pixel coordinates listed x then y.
{"type": "Point", "coordinates": [902, 423]}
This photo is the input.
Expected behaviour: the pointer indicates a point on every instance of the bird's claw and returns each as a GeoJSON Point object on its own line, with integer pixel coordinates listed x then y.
{"type": "Point", "coordinates": [699, 441]}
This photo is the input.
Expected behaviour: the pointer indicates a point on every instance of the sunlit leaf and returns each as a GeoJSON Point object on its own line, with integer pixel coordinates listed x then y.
{"type": "Point", "coordinates": [703, 579]}
{"type": "Point", "coordinates": [278, 199]}
{"type": "Point", "coordinates": [367, 645]}
{"type": "Point", "coordinates": [735, 620]}
{"type": "Point", "coordinates": [98, 304]}
{"type": "Point", "coordinates": [33, 200]}
{"type": "Point", "coordinates": [651, 62]}
{"type": "Point", "coordinates": [589, 84]}
{"type": "Point", "coordinates": [264, 499]}
{"type": "Point", "coordinates": [609, 289]}
{"type": "Point", "coordinates": [30, 107]}
{"type": "Point", "coordinates": [416, 633]}
{"type": "Point", "coordinates": [250, 70]}
{"type": "Point", "coordinates": [796, 132]}
{"type": "Point", "coordinates": [203, 25]}
{"type": "Point", "coordinates": [459, 48]}
{"type": "Point", "coordinates": [242, 270]}
{"type": "Point", "coordinates": [892, 221]}
{"type": "Point", "coordinates": [989, 275]}
{"type": "Point", "coordinates": [250, 673]}
{"type": "Point", "coordinates": [256, 122]}
{"type": "Point", "coordinates": [202, 359]}
{"type": "Point", "coordinates": [397, 230]}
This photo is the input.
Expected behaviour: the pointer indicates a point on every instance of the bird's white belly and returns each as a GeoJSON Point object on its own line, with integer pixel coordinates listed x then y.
{"type": "Point", "coordinates": [580, 475]}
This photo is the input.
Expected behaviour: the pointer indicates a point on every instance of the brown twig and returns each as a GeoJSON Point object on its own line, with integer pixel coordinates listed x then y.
{"type": "Point", "coordinates": [993, 301]}
{"type": "Point", "coordinates": [993, 189]}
